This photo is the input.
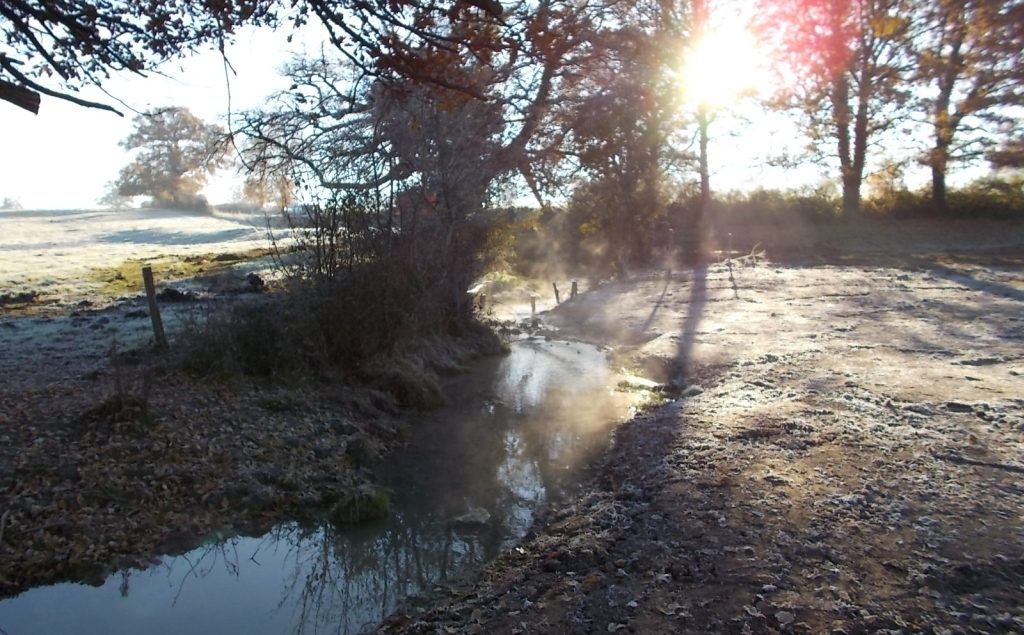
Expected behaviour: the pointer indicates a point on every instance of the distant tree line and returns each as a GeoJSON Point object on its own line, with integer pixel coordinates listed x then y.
{"type": "Point", "coordinates": [9, 204]}
{"type": "Point", "coordinates": [870, 67]}
{"type": "Point", "coordinates": [429, 112]}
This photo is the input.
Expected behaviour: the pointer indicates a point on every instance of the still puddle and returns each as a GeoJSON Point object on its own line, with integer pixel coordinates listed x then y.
{"type": "Point", "coordinates": [516, 435]}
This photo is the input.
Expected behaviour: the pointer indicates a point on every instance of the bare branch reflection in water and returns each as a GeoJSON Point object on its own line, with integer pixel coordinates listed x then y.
{"type": "Point", "coordinates": [549, 409]}
{"type": "Point", "coordinates": [211, 553]}
{"type": "Point", "coordinates": [504, 446]}
{"type": "Point", "coordinates": [348, 581]}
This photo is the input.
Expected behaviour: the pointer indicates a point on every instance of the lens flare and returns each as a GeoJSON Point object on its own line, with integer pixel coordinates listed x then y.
{"type": "Point", "coordinates": [723, 66]}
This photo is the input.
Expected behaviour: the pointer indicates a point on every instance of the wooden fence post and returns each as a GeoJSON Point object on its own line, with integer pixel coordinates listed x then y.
{"type": "Point", "coordinates": [555, 287]}
{"type": "Point", "coordinates": [572, 293]}
{"type": "Point", "coordinates": [533, 305]}
{"type": "Point", "coordinates": [154, 310]}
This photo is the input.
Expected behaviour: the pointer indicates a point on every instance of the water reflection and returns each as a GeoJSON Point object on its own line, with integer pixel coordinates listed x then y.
{"type": "Point", "coordinates": [508, 443]}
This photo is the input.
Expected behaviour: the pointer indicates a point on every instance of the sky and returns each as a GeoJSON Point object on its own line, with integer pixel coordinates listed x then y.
{"type": "Point", "coordinates": [64, 156]}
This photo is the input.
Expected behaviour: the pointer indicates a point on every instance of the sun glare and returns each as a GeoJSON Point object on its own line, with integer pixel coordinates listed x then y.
{"type": "Point", "coordinates": [723, 66]}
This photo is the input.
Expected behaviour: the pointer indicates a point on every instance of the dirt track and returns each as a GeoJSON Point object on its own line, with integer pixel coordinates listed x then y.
{"type": "Point", "coordinates": [845, 456]}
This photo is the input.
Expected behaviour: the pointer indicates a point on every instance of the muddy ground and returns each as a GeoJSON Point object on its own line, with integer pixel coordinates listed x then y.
{"type": "Point", "coordinates": [844, 454]}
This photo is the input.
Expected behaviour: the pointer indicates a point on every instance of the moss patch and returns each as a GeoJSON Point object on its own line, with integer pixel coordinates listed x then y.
{"type": "Point", "coordinates": [126, 277]}
{"type": "Point", "coordinates": [649, 401]}
{"type": "Point", "coordinates": [368, 502]}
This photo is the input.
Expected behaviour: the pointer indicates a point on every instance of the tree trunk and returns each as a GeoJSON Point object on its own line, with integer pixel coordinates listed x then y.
{"type": "Point", "coordinates": [939, 201]}
{"type": "Point", "coordinates": [851, 193]}
{"type": "Point", "coordinates": [703, 121]}
{"type": "Point", "coordinates": [851, 198]}
{"type": "Point", "coordinates": [939, 159]}
{"type": "Point", "coordinates": [946, 123]}
{"type": "Point", "coordinates": [850, 176]}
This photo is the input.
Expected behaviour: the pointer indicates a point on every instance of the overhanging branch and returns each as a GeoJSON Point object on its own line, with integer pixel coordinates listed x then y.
{"type": "Point", "coordinates": [28, 88]}
{"type": "Point", "coordinates": [19, 96]}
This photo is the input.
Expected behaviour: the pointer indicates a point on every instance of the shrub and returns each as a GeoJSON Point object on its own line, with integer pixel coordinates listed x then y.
{"type": "Point", "coordinates": [984, 198]}
{"type": "Point", "coordinates": [385, 321]}
{"type": "Point", "coordinates": [261, 338]}
{"type": "Point", "coordinates": [774, 206]}
{"type": "Point", "coordinates": [992, 197]}
{"type": "Point", "coordinates": [367, 502]}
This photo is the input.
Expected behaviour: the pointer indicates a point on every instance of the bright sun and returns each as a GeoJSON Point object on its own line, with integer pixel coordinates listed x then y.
{"type": "Point", "coordinates": [723, 66]}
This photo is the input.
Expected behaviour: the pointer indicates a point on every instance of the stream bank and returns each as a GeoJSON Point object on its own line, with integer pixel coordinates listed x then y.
{"type": "Point", "coordinates": [111, 453]}
{"type": "Point", "coordinates": [845, 458]}
{"type": "Point", "coordinates": [464, 487]}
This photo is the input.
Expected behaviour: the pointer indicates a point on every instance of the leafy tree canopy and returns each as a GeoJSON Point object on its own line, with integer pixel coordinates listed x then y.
{"type": "Point", "coordinates": [55, 47]}
{"type": "Point", "coordinates": [177, 152]}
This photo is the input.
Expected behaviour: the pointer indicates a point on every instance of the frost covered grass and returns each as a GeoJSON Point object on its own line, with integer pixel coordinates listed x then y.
{"type": "Point", "coordinates": [63, 255]}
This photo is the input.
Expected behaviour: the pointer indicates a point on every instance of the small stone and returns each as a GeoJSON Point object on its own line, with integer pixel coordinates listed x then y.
{"type": "Point", "coordinates": [957, 406]}
{"type": "Point", "coordinates": [475, 516]}
{"type": "Point", "coordinates": [170, 294]}
{"type": "Point", "coordinates": [254, 283]}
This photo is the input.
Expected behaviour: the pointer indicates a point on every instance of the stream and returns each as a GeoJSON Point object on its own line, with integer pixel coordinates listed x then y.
{"type": "Point", "coordinates": [517, 433]}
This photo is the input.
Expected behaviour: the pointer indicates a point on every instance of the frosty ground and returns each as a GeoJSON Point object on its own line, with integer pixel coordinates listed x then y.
{"type": "Point", "coordinates": [55, 255]}
{"type": "Point", "coordinates": [71, 291]}
{"type": "Point", "coordinates": [844, 455]}
{"type": "Point", "coordinates": [84, 489]}
{"type": "Point", "coordinates": [842, 452]}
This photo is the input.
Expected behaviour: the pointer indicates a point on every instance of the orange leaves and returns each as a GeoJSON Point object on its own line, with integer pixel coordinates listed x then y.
{"type": "Point", "coordinates": [886, 26]}
{"type": "Point", "coordinates": [542, 31]}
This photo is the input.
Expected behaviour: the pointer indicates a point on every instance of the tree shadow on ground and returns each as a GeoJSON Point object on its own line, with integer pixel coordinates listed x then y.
{"type": "Point", "coordinates": [694, 314]}
{"type": "Point", "coordinates": [963, 277]}
{"type": "Point", "coordinates": [792, 494]}
{"type": "Point", "coordinates": [660, 301]}
{"type": "Point", "coordinates": [155, 236]}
